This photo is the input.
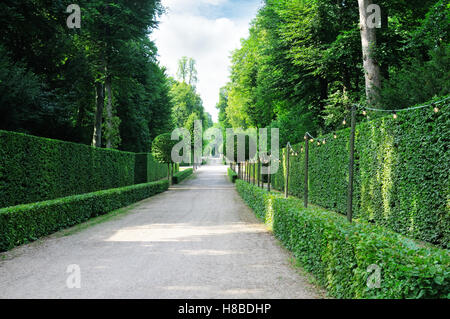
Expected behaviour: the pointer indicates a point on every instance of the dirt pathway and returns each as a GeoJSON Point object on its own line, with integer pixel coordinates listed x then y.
{"type": "Point", "coordinates": [198, 240]}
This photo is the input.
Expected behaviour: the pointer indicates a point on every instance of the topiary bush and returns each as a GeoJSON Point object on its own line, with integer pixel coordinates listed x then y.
{"type": "Point", "coordinates": [26, 223]}
{"type": "Point", "coordinates": [340, 254]}
{"type": "Point", "coordinates": [402, 173]}
{"type": "Point", "coordinates": [179, 177]}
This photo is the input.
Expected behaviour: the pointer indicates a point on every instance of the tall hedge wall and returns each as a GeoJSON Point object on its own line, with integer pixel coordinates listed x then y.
{"type": "Point", "coordinates": [155, 170]}
{"type": "Point", "coordinates": [401, 173]}
{"type": "Point", "coordinates": [34, 169]}
{"type": "Point", "coordinates": [147, 169]}
{"type": "Point", "coordinates": [340, 254]}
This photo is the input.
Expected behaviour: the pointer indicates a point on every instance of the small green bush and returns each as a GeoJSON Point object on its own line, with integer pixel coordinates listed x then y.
{"type": "Point", "coordinates": [179, 177]}
{"type": "Point", "coordinates": [232, 175]}
{"type": "Point", "coordinates": [26, 223]}
{"type": "Point", "coordinates": [339, 253]}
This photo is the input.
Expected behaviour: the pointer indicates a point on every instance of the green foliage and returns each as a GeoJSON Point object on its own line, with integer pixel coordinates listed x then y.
{"type": "Point", "coordinates": [222, 106]}
{"type": "Point", "coordinates": [187, 72]}
{"type": "Point", "coordinates": [18, 86]}
{"type": "Point", "coordinates": [142, 99]}
{"type": "Point", "coordinates": [232, 175]}
{"type": "Point", "coordinates": [157, 170]}
{"type": "Point", "coordinates": [186, 102]}
{"type": "Point", "coordinates": [147, 169]}
{"type": "Point", "coordinates": [179, 177]}
{"type": "Point", "coordinates": [401, 174]}
{"type": "Point", "coordinates": [49, 71]}
{"type": "Point", "coordinates": [296, 70]}
{"type": "Point", "coordinates": [339, 254]}
{"type": "Point", "coordinates": [162, 148]}
{"type": "Point", "coordinates": [26, 223]}
{"type": "Point", "coordinates": [418, 81]}
{"type": "Point", "coordinates": [34, 169]}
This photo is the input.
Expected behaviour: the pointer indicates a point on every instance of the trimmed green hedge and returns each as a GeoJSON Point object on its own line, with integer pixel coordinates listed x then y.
{"type": "Point", "coordinates": [339, 253]}
{"type": "Point", "coordinates": [232, 175]}
{"type": "Point", "coordinates": [140, 168]}
{"type": "Point", "coordinates": [147, 169]}
{"type": "Point", "coordinates": [34, 169]}
{"type": "Point", "coordinates": [402, 174]}
{"type": "Point", "coordinates": [25, 223]}
{"type": "Point", "coordinates": [179, 177]}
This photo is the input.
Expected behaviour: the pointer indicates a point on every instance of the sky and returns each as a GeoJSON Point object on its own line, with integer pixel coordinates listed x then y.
{"type": "Point", "coordinates": [208, 31]}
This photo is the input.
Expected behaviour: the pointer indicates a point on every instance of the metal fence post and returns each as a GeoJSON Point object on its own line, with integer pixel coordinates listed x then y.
{"type": "Point", "coordinates": [306, 187]}
{"type": "Point", "coordinates": [351, 167]}
{"type": "Point", "coordinates": [286, 190]}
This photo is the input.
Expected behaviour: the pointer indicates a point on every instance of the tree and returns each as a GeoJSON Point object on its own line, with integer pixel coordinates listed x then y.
{"type": "Point", "coordinates": [162, 151]}
{"type": "Point", "coordinates": [142, 97]}
{"type": "Point", "coordinates": [182, 72]}
{"type": "Point", "coordinates": [185, 101]}
{"type": "Point", "coordinates": [187, 72]}
{"type": "Point", "coordinates": [192, 73]}
{"type": "Point", "coordinates": [369, 42]}
{"type": "Point", "coordinates": [222, 107]}
{"type": "Point", "coordinates": [108, 28]}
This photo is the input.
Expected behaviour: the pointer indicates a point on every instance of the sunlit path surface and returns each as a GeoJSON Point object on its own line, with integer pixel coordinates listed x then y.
{"type": "Point", "coordinates": [198, 240]}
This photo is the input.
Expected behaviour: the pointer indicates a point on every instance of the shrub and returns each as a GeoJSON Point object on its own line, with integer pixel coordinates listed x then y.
{"type": "Point", "coordinates": [25, 223]}
{"type": "Point", "coordinates": [140, 168]}
{"type": "Point", "coordinates": [162, 150]}
{"type": "Point", "coordinates": [147, 169]}
{"type": "Point", "coordinates": [232, 175]}
{"type": "Point", "coordinates": [402, 176]}
{"type": "Point", "coordinates": [179, 177]}
{"type": "Point", "coordinates": [34, 169]}
{"type": "Point", "coordinates": [339, 253]}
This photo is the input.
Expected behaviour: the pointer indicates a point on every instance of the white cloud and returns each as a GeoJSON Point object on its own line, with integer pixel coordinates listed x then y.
{"type": "Point", "coordinates": [187, 30]}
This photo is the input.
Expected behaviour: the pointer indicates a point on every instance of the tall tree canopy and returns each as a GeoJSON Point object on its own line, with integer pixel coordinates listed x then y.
{"type": "Point", "coordinates": [301, 68]}
{"type": "Point", "coordinates": [101, 83]}
{"type": "Point", "coordinates": [187, 103]}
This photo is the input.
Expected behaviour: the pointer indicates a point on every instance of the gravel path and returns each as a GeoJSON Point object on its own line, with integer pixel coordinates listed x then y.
{"type": "Point", "coordinates": [198, 240]}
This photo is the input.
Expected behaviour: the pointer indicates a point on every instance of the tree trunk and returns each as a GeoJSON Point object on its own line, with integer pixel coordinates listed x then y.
{"type": "Point", "coordinates": [369, 41]}
{"type": "Point", "coordinates": [108, 142]}
{"type": "Point", "coordinates": [100, 101]}
{"type": "Point", "coordinates": [108, 111]}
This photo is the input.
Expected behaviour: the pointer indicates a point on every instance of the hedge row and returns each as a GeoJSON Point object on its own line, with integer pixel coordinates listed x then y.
{"type": "Point", "coordinates": [25, 223]}
{"type": "Point", "coordinates": [402, 173]}
{"type": "Point", "coordinates": [232, 175]}
{"type": "Point", "coordinates": [340, 254]}
{"type": "Point", "coordinates": [147, 169]}
{"type": "Point", "coordinates": [34, 169]}
{"type": "Point", "coordinates": [179, 177]}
